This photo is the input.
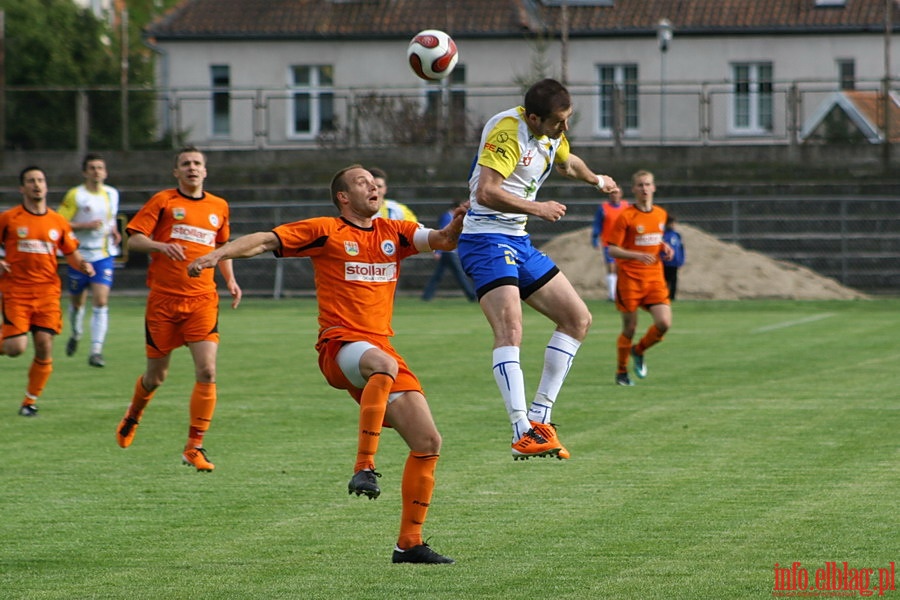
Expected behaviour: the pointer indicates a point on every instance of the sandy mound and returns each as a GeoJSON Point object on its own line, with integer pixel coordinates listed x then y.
{"type": "Point", "coordinates": [714, 270]}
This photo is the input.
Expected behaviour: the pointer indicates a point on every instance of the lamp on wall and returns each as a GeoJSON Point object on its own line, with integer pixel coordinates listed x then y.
{"type": "Point", "coordinates": [664, 31]}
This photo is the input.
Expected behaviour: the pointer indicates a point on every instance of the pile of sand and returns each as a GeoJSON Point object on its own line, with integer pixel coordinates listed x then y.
{"type": "Point", "coordinates": [713, 270]}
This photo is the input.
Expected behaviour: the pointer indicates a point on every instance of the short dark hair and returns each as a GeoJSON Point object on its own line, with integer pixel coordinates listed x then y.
{"type": "Point", "coordinates": [339, 183]}
{"type": "Point", "coordinates": [90, 158]}
{"type": "Point", "coordinates": [546, 97]}
{"type": "Point", "coordinates": [29, 169]}
{"type": "Point", "coordinates": [185, 150]}
{"type": "Point", "coordinates": [376, 172]}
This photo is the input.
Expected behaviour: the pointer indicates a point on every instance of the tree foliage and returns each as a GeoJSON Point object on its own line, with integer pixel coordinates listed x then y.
{"type": "Point", "coordinates": [56, 52]}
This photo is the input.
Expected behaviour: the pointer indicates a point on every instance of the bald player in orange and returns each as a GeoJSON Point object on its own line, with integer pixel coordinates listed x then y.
{"type": "Point", "coordinates": [356, 259]}
{"type": "Point", "coordinates": [174, 227]}
{"type": "Point", "coordinates": [636, 242]}
{"type": "Point", "coordinates": [31, 235]}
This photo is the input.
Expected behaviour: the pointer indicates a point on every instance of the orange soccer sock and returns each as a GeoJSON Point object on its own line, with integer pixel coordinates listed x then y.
{"type": "Point", "coordinates": [203, 405]}
{"type": "Point", "coordinates": [139, 399]}
{"type": "Point", "coordinates": [372, 406]}
{"type": "Point", "coordinates": [623, 350]}
{"type": "Point", "coordinates": [653, 336]}
{"type": "Point", "coordinates": [416, 489]}
{"type": "Point", "coordinates": [38, 374]}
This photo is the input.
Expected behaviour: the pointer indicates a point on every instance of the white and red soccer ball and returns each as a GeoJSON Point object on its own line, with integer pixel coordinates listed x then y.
{"type": "Point", "coordinates": [432, 54]}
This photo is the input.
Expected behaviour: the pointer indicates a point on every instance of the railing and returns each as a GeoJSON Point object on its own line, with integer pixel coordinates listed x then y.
{"type": "Point", "coordinates": [677, 113]}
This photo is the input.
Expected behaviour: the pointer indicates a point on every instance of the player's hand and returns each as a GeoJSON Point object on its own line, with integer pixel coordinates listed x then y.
{"type": "Point", "coordinates": [173, 251]}
{"type": "Point", "coordinates": [551, 210]}
{"type": "Point", "coordinates": [647, 259]}
{"type": "Point", "coordinates": [236, 293]}
{"type": "Point", "coordinates": [204, 262]}
{"type": "Point", "coordinates": [668, 253]}
{"type": "Point", "coordinates": [87, 268]}
{"type": "Point", "coordinates": [606, 184]}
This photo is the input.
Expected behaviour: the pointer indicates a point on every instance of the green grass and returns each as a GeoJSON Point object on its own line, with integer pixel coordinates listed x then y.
{"type": "Point", "coordinates": [765, 433]}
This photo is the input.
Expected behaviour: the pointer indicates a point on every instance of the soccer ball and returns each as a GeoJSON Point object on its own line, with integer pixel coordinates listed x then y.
{"type": "Point", "coordinates": [432, 54]}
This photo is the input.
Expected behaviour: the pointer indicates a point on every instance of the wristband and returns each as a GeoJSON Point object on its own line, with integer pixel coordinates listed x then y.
{"type": "Point", "coordinates": [599, 185]}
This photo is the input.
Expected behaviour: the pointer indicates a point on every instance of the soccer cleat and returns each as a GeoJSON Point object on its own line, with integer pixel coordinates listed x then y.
{"type": "Point", "coordinates": [533, 444]}
{"type": "Point", "coordinates": [71, 346]}
{"type": "Point", "coordinates": [623, 379]}
{"type": "Point", "coordinates": [96, 360]}
{"type": "Point", "coordinates": [196, 457]}
{"type": "Point", "coordinates": [28, 410]}
{"type": "Point", "coordinates": [640, 367]}
{"type": "Point", "coordinates": [365, 482]}
{"type": "Point", "coordinates": [125, 432]}
{"type": "Point", "coordinates": [421, 554]}
{"type": "Point", "coordinates": [548, 432]}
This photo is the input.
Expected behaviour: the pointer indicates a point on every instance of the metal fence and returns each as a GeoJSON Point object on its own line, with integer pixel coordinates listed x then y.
{"type": "Point", "coordinates": [855, 241]}
{"type": "Point", "coordinates": [641, 113]}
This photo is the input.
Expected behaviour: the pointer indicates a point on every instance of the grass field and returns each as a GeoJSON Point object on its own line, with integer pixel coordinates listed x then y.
{"type": "Point", "coordinates": [766, 432]}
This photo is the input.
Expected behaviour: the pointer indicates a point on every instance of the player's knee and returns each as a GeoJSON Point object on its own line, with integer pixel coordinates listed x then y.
{"type": "Point", "coordinates": [206, 374]}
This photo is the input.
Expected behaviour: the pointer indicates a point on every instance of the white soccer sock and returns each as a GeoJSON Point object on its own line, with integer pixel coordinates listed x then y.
{"type": "Point", "coordinates": [99, 325]}
{"type": "Point", "coordinates": [611, 281]}
{"type": "Point", "coordinates": [76, 316]}
{"type": "Point", "coordinates": [511, 382]}
{"type": "Point", "coordinates": [558, 357]}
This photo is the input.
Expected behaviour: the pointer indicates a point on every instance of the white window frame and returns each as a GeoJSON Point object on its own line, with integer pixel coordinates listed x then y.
{"type": "Point", "coordinates": [216, 91]}
{"type": "Point", "coordinates": [315, 89]}
{"type": "Point", "coordinates": [619, 80]}
{"type": "Point", "coordinates": [756, 97]}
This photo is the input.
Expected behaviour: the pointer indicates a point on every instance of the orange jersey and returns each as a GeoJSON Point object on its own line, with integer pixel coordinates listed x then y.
{"type": "Point", "coordinates": [640, 232]}
{"type": "Point", "coordinates": [31, 243]}
{"type": "Point", "coordinates": [610, 216]}
{"type": "Point", "coordinates": [356, 269]}
{"type": "Point", "coordinates": [199, 225]}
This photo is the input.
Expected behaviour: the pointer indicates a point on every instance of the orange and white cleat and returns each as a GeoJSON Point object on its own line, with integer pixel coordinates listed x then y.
{"type": "Point", "coordinates": [533, 444]}
{"type": "Point", "coordinates": [196, 457]}
{"type": "Point", "coordinates": [548, 432]}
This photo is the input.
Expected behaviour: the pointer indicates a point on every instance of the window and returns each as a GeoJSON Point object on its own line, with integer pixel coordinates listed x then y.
{"type": "Point", "coordinates": [621, 106]}
{"type": "Point", "coordinates": [312, 105]}
{"type": "Point", "coordinates": [832, 3]}
{"type": "Point", "coordinates": [456, 107]}
{"type": "Point", "coordinates": [221, 100]}
{"type": "Point", "coordinates": [846, 74]}
{"type": "Point", "coordinates": [752, 110]}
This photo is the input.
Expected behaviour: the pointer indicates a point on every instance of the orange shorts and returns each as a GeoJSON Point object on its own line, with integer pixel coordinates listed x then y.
{"type": "Point", "coordinates": [174, 321]}
{"type": "Point", "coordinates": [328, 349]}
{"type": "Point", "coordinates": [632, 294]}
{"type": "Point", "coordinates": [21, 315]}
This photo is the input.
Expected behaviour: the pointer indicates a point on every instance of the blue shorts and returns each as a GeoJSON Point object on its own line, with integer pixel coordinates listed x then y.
{"type": "Point", "coordinates": [492, 260]}
{"type": "Point", "coordinates": [103, 275]}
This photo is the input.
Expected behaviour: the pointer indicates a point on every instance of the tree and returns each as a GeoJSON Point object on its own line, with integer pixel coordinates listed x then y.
{"type": "Point", "coordinates": [56, 52]}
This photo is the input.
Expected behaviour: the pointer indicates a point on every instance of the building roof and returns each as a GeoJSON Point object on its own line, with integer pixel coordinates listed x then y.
{"type": "Point", "coordinates": [329, 19]}
{"type": "Point", "coordinates": [864, 109]}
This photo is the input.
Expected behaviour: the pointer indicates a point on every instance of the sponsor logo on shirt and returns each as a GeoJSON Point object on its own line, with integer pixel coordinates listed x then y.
{"type": "Point", "coordinates": [648, 239]}
{"type": "Point", "coordinates": [351, 248]}
{"type": "Point", "coordinates": [178, 213]}
{"type": "Point", "coordinates": [388, 247]}
{"type": "Point", "coordinates": [198, 235]}
{"type": "Point", "coordinates": [384, 272]}
{"type": "Point", "coordinates": [35, 247]}
{"type": "Point", "coordinates": [21, 231]}
{"type": "Point", "coordinates": [214, 220]}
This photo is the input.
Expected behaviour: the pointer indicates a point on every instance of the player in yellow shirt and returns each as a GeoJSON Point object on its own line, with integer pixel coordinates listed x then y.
{"type": "Point", "coordinates": [519, 148]}
{"type": "Point", "coordinates": [91, 209]}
